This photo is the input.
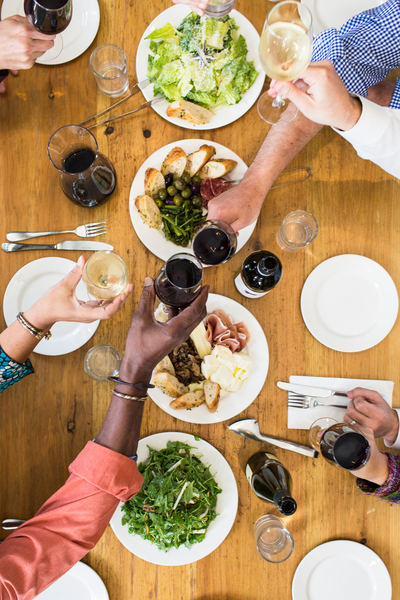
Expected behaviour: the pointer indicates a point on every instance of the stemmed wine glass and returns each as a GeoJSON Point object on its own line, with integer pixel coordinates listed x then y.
{"type": "Point", "coordinates": [285, 52]}
{"type": "Point", "coordinates": [50, 17]}
{"type": "Point", "coordinates": [340, 444]}
{"type": "Point", "coordinates": [105, 275]}
{"type": "Point", "coordinates": [214, 242]}
{"type": "Point", "coordinates": [179, 281]}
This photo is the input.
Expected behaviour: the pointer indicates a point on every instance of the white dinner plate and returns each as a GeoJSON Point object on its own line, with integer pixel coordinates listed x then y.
{"type": "Point", "coordinates": [327, 14]}
{"type": "Point", "coordinates": [341, 570]}
{"type": "Point", "coordinates": [79, 34]}
{"type": "Point", "coordinates": [349, 303]}
{"type": "Point", "coordinates": [153, 239]}
{"type": "Point", "coordinates": [28, 285]}
{"type": "Point", "coordinates": [226, 507]}
{"type": "Point", "coordinates": [226, 114]}
{"type": "Point", "coordinates": [231, 403]}
{"type": "Point", "coordinates": [79, 583]}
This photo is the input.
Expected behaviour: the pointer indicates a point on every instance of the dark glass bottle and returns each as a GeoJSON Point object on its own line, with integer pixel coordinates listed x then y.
{"type": "Point", "coordinates": [271, 481]}
{"type": "Point", "coordinates": [261, 272]}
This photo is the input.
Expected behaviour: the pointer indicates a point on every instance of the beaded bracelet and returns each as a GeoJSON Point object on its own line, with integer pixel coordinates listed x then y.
{"type": "Point", "coordinates": [140, 386]}
{"type": "Point", "coordinates": [37, 333]}
{"type": "Point", "coordinates": [127, 397]}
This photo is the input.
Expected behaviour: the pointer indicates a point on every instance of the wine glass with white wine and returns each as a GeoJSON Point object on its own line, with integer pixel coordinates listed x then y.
{"type": "Point", "coordinates": [105, 275]}
{"type": "Point", "coordinates": [285, 52]}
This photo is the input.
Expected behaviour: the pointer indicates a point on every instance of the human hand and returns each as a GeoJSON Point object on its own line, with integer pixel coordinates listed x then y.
{"type": "Point", "coordinates": [21, 44]}
{"type": "Point", "coordinates": [376, 470]}
{"type": "Point", "coordinates": [239, 206]}
{"type": "Point", "coordinates": [61, 304]}
{"type": "Point", "coordinates": [370, 410]}
{"type": "Point", "coordinates": [197, 6]}
{"type": "Point", "coordinates": [321, 96]}
{"type": "Point", "coordinates": [149, 341]}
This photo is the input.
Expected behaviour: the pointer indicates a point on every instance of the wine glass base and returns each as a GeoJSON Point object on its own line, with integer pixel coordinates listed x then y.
{"type": "Point", "coordinates": [273, 114]}
{"type": "Point", "coordinates": [55, 51]}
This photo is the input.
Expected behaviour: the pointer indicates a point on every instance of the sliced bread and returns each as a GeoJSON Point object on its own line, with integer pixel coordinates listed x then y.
{"type": "Point", "coordinates": [212, 393]}
{"type": "Point", "coordinates": [149, 211]}
{"type": "Point", "coordinates": [189, 400]}
{"type": "Point", "coordinates": [217, 167]}
{"type": "Point", "coordinates": [153, 181]}
{"type": "Point", "coordinates": [169, 384]}
{"type": "Point", "coordinates": [197, 160]}
{"type": "Point", "coordinates": [175, 163]}
{"type": "Point", "coordinates": [165, 366]}
{"type": "Point", "coordinates": [188, 111]}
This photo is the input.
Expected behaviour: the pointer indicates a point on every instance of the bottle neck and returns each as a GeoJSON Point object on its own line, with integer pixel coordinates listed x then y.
{"type": "Point", "coordinates": [286, 504]}
{"type": "Point", "coordinates": [267, 265]}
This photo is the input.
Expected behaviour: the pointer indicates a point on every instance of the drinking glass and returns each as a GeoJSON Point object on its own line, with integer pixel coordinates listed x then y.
{"type": "Point", "coordinates": [86, 176]}
{"type": "Point", "coordinates": [108, 63]}
{"type": "Point", "coordinates": [274, 542]}
{"type": "Point", "coordinates": [214, 243]}
{"type": "Point", "coordinates": [179, 281]}
{"type": "Point", "coordinates": [102, 362]}
{"type": "Point", "coordinates": [298, 230]}
{"type": "Point", "coordinates": [219, 8]}
{"type": "Point", "coordinates": [340, 444]}
{"type": "Point", "coordinates": [285, 52]}
{"type": "Point", "coordinates": [105, 275]}
{"type": "Point", "coordinates": [49, 17]}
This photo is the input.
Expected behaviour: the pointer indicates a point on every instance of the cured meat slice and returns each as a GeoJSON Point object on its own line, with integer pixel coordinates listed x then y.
{"type": "Point", "coordinates": [211, 188]}
{"type": "Point", "coordinates": [221, 330]}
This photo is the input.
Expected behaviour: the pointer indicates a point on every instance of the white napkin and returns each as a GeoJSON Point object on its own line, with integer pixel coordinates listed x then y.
{"type": "Point", "coordinates": [299, 418]}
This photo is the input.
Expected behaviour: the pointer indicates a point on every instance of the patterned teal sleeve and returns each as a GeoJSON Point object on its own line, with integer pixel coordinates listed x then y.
{"type": "Point", "coordinates": [11, 371]}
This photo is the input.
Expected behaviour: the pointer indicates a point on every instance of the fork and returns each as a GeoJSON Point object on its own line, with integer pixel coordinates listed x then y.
{"type": "Point", "coordinates": [309, 402]}
{"type": "Point", "coordinates": [84, 231]}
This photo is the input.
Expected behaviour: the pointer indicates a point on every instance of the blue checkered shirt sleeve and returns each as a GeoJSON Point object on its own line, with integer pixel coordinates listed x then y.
{"type": "Point", "coordinates": [365, 49]}
{"type": "Point", "coordinates": [11, 371]}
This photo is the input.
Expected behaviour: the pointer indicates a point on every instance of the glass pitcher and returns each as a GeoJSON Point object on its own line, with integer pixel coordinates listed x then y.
{"type": "Point", "coordinates": [86, 176]}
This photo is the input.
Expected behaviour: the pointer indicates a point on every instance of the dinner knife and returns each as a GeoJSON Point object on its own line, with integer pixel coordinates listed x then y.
{"type": "Point", "coordinates": [73, 245]}
{"type": "Point", "coordinates": [308, 390]}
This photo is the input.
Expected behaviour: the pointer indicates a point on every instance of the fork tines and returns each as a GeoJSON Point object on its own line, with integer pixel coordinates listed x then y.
{"type": "Point", "coordinates": [93, 229]}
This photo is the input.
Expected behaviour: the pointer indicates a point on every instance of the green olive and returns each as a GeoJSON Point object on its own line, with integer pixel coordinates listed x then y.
{"type": "Point", "coordinates": [187, 203]}
{"type": "Point", "coordinates": [172, 191]}
{"type": "Point", "coordinates": [197, 202]}
{"type": "Point", "coordinates": [159, 202]}
{"type": "Point", "coordinates": [178, 200]}
{"type": "Point", "coordinates": [162, 194]}
{"type": "Point", "coordinates": [186, 193]}
{"type": "Point", "coordinates": [186, 177]}
{"type": "Point", "coordinates": [196, 179]}
{"type": "Point", "coordinates": [179, 184]}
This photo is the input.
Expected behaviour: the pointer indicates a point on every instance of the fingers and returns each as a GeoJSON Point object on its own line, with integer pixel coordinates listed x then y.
{"type": "Point", "coordinates": [13, 72]}
{"type": "Point", "coordinates": [73, 278]}
{"type": "Point", "coordinates": [2, 87]}
{"type": "Point", "coordinates": [145, 309]}
{"type": "Point", "coordinates": [118, 302]}
{"type": "Point", "coordinates": [370, 395]}
{"type": "Point", "coordinates": [101, 309]}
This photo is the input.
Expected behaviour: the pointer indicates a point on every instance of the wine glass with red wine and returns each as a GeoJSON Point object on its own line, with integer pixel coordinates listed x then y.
{"type": "Point", "coordinates": [340, 444]}
{"type": "Point", "coordinates": [179, 281]}
{"type": "Point", "coordinates": [214, 243]}
{"type": "Point", "coordinates": [50, 17]}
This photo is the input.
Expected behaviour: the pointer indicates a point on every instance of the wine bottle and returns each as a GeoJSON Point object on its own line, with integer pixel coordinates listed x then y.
{"type": "Point", "coordinates": [271, 481]}
{"type": "Point", "coordinates": [261, 272]}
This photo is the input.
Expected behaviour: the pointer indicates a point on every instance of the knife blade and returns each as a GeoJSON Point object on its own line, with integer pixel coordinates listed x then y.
{"type": "Point", "coordinates": [73, 245]}
{"type": "Point", "coordinates": [308, 390]}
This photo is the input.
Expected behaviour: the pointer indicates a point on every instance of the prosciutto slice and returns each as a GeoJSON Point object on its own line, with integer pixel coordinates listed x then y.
{"type": "Point", "coordinates": [221, 330]}
{"type": "Point", "coordinates": [211, 188]}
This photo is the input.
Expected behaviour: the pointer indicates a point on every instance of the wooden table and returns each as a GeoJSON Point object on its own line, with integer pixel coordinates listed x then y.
{"type": "Point", "coordinates": [48, 418]}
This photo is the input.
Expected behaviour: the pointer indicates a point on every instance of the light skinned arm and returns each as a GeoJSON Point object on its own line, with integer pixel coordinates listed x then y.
{"type": "Point", "coordinates": [371, 411]}
{"type": "Point", "coordinates": [197, 6]}
{"type": "Point", "coordinates": [57, 304]}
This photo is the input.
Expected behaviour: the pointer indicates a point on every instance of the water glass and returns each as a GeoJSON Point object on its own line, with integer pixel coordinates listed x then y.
{"type": "Point", "coordinates": [274, 542]}
{"type": "Point", "coordinates": [102, 362]}
{"type": "Point", "coordinates": [297, 231]}
{"type": "Point", "coordinates": [219, 8]}
{"type": "Point", "coordinates": [108, 63]}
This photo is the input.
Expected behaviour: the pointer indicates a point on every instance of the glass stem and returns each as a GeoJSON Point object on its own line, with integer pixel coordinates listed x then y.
{"type": "Point", "coordinates": [278, 101]}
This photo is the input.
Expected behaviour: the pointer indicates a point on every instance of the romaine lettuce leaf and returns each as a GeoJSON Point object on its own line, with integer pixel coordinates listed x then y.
{"type": "Point", "coordinates": [165, 33]}
{"type": "Point", "coordinates": [202, 98]}
{"type": "Point", "coordinates": [171, 72]}
{"type": "Point", "coordinates": [214, 31]}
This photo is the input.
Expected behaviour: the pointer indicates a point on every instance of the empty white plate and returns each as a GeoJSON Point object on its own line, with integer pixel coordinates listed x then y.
{"type": "Point", "coordinates": [341, 570]}
{"type": "Point", "coordinates": [79, 583]}
{"type": "Point", "coordinates": [28, 285]}
{"type": "Point", "coordinates": [349, 303]}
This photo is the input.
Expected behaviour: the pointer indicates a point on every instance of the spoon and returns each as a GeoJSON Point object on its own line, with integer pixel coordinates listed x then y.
{"type": "Point", "coordinates": [250, 428]}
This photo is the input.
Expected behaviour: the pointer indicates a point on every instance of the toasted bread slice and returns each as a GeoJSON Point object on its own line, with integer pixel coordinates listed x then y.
{"type": "Point", "coordinates": [211, 392]}
{"type": "Point", "coordinates": [153, 181]}
{"type": "Point", "coordinates": [169, 384]}
{"type": "Point", "coordinates": [197, 160]}
{"type": "Point", "coordinates": [175, 163]}
{"type": "Point", "coordinates": [188, 111]}
{"type": "Point", "coordinates": [218, 167]}
{"type": "Point", "coordinates": [189, 400]}
{"type": "Point", "coordinates": [149, 211]}
{"type": "Point", "coordinates": [165, 366]}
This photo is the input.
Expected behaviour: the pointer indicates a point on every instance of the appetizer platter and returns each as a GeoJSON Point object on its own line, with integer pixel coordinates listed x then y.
{"type": "Point", "coordinates": [189, 105]}
{"type": "Point", "coordinates": [225, 165]}
{"type": "Point", "coordinates": [200, 384]}
{"type": "Point", "coordinates": [203, 459]}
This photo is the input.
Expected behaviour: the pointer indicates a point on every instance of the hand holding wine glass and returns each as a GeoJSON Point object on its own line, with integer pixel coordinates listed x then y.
{"type": "Point", "coordinates": [50, 17]}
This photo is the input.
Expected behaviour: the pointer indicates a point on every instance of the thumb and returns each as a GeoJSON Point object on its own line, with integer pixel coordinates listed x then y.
{"type": "Point", "coordinates": [73, 278]}
{"type": "Point", "coordinates": [145, 307]}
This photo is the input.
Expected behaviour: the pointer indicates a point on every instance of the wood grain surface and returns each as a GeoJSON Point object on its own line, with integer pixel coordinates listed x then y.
{"type": "Point", "coordinates": [48, 417]}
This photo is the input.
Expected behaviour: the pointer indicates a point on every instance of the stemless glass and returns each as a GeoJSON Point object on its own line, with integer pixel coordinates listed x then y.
{"type": "Point", "coordinates": [108, 64]}
{"type": "Point", "coordinates": [274, 542]}
{"type": "Point", "coordinates": [179, 281]}
{"type": "Point", "coordinates": [219, 8]}
{"type": "Point", "coordinates": [105, 275]}
{"type": "Point", "coordinates": [298, 230]}
{"type": "Point", "coordinates": [49, 17]}
{"type": "Point", "coordinates": [214, 242]}
{"type": "Point", "coordinates": [87, 177]}
{"type": "Point", "coordinates": [102, 362]}
{"type": "Point", "coordinates": [285, 52]}
{"type": "Point", "coordinates": [340, 444]}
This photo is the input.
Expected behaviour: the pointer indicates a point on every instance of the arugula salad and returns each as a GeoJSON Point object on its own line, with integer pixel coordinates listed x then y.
{"type": "Point", "coordinates": [178, 71]}
{"type": "Point", "coordinates": [176, 503]}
